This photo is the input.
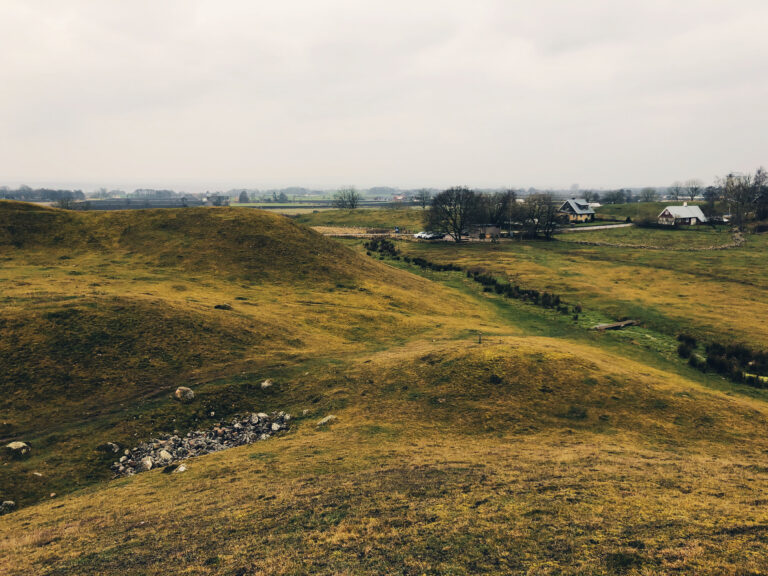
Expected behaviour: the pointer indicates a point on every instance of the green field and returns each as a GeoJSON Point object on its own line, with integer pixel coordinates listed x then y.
{"type": "Point", "coordinates": [474, 434]}
{"type": "Point", "coordinates": [635, 210]}
{"type": "Point", "coordinates": [408, 219]}
{"type": "Point", "coordinates": [689, 238]}
{"type": "Point", "coordinates": [649, 211]}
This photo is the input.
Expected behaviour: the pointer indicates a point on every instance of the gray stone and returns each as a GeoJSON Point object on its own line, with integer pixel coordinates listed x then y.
{"type": "Point", "coordinates": [327, 420]}
{"type": "Point", "coordinates": [18, 449]}
{"type": "Point", "coordinates": [184, 394]}
{"type": "Point", "coordinates": [167, 450]}
{"type": "Point", "coordinates": [266, 384]}
{"type": "Point", "coordinates": [7, 506]}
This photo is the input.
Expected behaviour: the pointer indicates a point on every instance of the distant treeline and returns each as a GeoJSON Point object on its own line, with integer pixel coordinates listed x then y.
{"type": "Point", "coordinates": [28, 194]}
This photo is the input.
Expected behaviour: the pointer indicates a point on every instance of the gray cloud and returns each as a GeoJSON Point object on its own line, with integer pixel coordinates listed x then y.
{"type": "Point", "coordinates": [203, 94]}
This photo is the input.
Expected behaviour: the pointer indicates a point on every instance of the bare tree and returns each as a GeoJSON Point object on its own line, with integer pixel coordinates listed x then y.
{"type": "Point", "coordinates": [761, 193]}
{"type": "Point", "coordinates": [588, 195]}
{"type": "Point", "coordinates": [739, 192]}
{"type": "Point", "coordinates": [423, 197]}
{"type": "Point", "coordinates": [452, 212]}
{"type": "Point", "coordinates": [546, 212]}
{"type": "Point", "coordinates": [675, 190]}
{"type": "Point", "coordinates": [539, 215]}
{"type": "Point", "coordinates": [347, 198]}
{"type": "Point", "coordinates": [693, 188]}
{"type": "Point", "coordinates": [494, 208]}
{"type": "Point", "coordinates": [648, 195]}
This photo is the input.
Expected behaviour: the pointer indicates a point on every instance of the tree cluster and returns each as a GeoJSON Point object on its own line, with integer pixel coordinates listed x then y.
{"type": "Point", "coordinates": [27, 194]}
{"type": "Point", "coordinates": [746, 196]}
{"type": "Point", "coordinates": [457, 210]}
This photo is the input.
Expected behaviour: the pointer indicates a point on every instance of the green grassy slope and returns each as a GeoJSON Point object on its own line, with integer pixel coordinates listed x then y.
{"type": "Point", "coordinates": [716, 294]}
{"type": "Point", "coordinates": [545, 449]}
{"type": "Point", "coordinates": [405, 218]}
{"type": "Point", "coordinates": [100, 325]}
{"type": "Point", "coordinates": [509, 457]}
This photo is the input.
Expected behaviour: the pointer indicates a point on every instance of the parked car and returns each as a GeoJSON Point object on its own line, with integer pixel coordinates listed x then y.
{"type": "Point", "coordinates": [429, 236]}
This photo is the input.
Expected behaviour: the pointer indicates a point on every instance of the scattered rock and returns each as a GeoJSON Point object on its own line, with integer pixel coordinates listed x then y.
{"type": "Point", "coordinates": [109, 447]}
{"type": "Point", "coordinates": [184, 394]}
{"type": "Point", "coordinates": [53, 494]}
{"type": "Point", "coordinates": [37, 474]}
{"type": "Point", "coordinates": [167, 450]}
{"type": "Point", "coordinates": [18, 449]}
{"type": "Point", "coordinates": [7, 506]}
{"type": "Point", "coordinates": [180, 469]}
{"type": "Point", "coordinates": [223, 307]}
{"type": "Point", "coordinates": [327, 420]}
{"type": "Point", "coordinates": [266, 384]}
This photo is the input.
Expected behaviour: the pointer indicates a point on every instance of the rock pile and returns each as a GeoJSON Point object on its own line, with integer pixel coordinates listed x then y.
{"type": "Point", "coordinates": [164, 451]}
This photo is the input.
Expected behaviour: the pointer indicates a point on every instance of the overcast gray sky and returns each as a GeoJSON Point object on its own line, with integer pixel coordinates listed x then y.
{"type": "Point", "coordinates": [217, 94]}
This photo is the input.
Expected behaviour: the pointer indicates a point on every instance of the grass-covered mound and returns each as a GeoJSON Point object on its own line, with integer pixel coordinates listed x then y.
{"type": "Point", "coordinates": [450, 458]}
{"type": "Point", "coordinates": [253, 245]}
{"type": "Point", "coordinates": [104, 314]}
{"type": "Point", "coordinates": [385, 218]}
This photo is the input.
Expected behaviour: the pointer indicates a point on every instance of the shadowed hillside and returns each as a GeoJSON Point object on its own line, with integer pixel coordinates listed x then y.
{"type": "Point", "coordinates": [539, 448]}
{"type": "Point", "coordinates": [104, 314]}
{"type": "Point", "coordinates": [253, 245]}
{"type": "Point", "coordinates": [443, 459]}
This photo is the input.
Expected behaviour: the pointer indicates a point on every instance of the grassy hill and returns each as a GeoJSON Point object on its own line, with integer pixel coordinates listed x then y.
{"type": "Point", "coordinates": [406, 218]}
{"type": "Point", "coordinates": [104, 314]}
{"type": "Point", "coordinates": [444, 459]}
{"type": "Point", "coordinates": [543, 448]}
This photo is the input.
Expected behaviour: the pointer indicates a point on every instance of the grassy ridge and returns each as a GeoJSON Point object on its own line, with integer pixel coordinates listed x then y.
{"type": "Point", "coordinates": [447, 459]}
{"type": "Point", "coordinates": [406, 218]}
{"type": "Point", "coordinates": [98, 327]}
{"type": "Point", "coordinates": [545, 449]}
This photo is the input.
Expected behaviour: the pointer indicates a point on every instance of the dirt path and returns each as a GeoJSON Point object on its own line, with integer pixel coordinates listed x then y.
{"type": "Point", "coordinates": [591, 228]}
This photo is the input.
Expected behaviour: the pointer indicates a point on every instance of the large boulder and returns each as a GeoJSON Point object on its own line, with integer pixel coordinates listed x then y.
{"type": "Point", "coordinates": [7, 506]}
{"type": "Point", "coordinates": [18, 449]}
{"type": "Point", "coordinates": [266, 384]}
{"type": "Point", "coordinates": [184, 394]}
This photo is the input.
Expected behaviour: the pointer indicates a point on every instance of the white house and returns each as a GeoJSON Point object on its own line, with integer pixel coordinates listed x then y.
{"type": "Point", "coordinates": [682, 215]}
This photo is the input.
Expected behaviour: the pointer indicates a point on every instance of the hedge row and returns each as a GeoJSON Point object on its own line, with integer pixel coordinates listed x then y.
{"type": "Point", "coordinates": [737, 362]}
{"type": "Point", "coordinates": [490, 284]}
